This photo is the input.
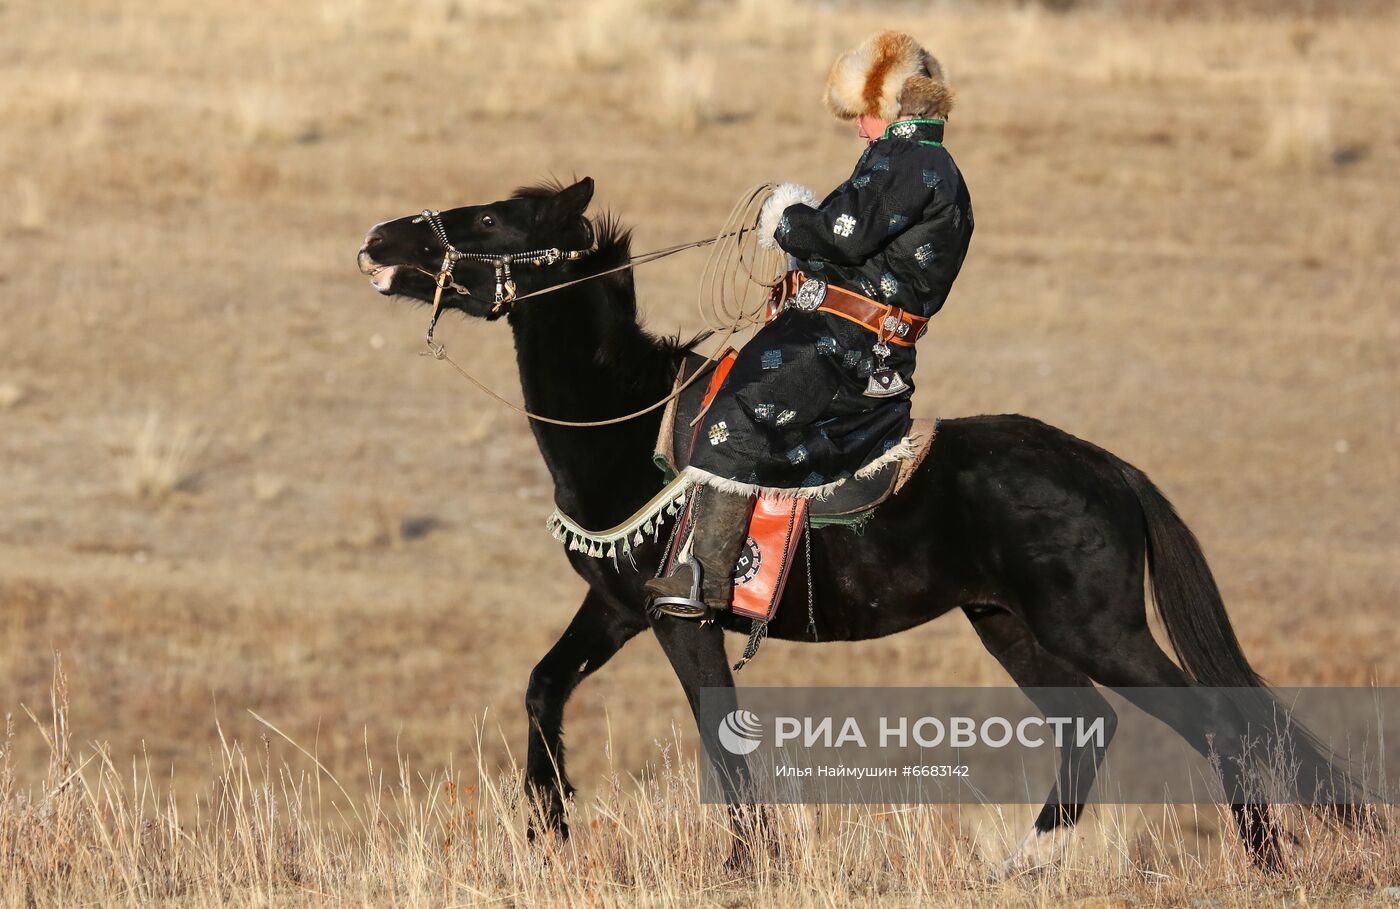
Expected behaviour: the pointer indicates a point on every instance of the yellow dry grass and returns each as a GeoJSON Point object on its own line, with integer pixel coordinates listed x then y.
{"type": "Point", "coordinates": [273, 826]}
{"type": "Point", "coordinates": [161, 461]}
{"type": "Point", "coordinates": [1163, 265]}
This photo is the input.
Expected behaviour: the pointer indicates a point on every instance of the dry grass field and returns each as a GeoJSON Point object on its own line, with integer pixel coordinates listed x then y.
{"type": "Point", "coordinates": [229, 484]}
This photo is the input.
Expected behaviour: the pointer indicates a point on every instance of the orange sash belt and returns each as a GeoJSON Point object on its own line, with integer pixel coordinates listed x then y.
{"type": "Point", "coordinates": [890, 323]}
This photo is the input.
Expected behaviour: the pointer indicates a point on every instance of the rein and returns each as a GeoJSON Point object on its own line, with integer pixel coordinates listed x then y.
{"type": "Point", "coordinates": [506, 295]}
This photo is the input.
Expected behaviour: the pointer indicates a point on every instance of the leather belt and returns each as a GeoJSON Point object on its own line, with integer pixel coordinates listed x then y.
{"type": "Point", "coordinates": [890, 324]}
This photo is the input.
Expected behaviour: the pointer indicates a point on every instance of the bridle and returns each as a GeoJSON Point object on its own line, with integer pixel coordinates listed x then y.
{"type": "Point", "coordinates": [502, 262]}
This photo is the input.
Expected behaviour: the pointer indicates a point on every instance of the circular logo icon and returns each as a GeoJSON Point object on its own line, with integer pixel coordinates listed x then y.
{"type": "Point", "coordinates": [749, 560]}
{"type": "Point", "coordinates": [740, 732]}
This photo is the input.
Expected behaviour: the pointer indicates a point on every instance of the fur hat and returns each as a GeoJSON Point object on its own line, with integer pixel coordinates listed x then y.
{"type": "Point", "coordinates": [889, 76]}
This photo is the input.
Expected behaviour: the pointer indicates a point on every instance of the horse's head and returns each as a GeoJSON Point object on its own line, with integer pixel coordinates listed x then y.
{"type": "Point", "coordinates": [405, 256]}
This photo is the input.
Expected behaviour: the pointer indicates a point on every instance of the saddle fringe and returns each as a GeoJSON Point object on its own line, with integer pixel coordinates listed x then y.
{"type": "Point", "coordinates": [619, 540]}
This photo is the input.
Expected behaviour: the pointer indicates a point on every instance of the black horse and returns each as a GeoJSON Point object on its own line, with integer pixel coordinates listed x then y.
{"type": "Point", "coordinates": [1039, 538]}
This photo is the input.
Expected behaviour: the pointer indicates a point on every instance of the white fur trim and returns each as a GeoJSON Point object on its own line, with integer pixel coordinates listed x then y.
{"type": "Point", "coordinates": [904, 448]}
{"type": "Point", "coordinates": [704, 477]}
{"type": "Point", "coordinates": [907, 447]}
{"type": "Point", "coordinates": [783, 195]}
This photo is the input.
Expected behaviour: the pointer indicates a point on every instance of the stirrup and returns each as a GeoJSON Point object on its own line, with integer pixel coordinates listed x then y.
{"type": "Point", "coordinates": [691, 607]}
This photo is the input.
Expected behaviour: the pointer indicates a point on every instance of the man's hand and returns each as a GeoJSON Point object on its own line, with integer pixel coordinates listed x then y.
{"type": "Point", "coordinates": [784, 194]}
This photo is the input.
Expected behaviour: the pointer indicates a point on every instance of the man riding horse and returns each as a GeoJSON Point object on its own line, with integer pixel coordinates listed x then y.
{"type": "Point", "coordinates": [821, 393]}
{"type": "Point", "coordinates": [1045, 542]}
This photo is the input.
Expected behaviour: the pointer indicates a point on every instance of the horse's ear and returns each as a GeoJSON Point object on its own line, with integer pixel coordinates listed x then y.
{"type": "Point", "coordinates": [570, 202]}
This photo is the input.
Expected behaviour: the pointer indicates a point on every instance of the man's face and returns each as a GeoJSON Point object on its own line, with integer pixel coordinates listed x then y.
{"type": "Point", "coordinates": [870, 128]}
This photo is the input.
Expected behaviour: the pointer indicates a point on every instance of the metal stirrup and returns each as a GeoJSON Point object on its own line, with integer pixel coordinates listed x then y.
{"type": "Point", "coordinates": [691, 607]}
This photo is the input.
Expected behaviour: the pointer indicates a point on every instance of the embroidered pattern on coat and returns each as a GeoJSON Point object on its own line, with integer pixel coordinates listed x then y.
{"type": "Point", "coordinates": [798, 455]}
{"type": "Point", "coordinates": [719, 433]}
{"type": "Point", "coordinates": [931, 178]}
{"type": "Point", "coordinates": [844, 226]}
{"type": "Point", "coordinates": [772, 358]}
{"type": "Point", "coordinates": [897, 222]}
{"type": "Point", "coordinates": [924, 255]}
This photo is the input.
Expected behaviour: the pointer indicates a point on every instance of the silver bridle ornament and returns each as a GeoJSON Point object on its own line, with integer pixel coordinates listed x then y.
{"type": "Point", "coordinates": [505, 283]}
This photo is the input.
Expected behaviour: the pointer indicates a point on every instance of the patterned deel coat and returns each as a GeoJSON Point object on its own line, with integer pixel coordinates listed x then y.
{"type": "Point", "coordinates": [792, 415]}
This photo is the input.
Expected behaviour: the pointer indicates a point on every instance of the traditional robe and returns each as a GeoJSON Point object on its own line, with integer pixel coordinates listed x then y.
{"type": "Point", "coordinates": [792, 416]}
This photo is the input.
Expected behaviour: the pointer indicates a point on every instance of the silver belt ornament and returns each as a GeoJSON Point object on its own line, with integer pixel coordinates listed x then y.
{"type": "Point", "coordinates": [884, 382]}
{"type": "Point", "coordinates": [810, 295]}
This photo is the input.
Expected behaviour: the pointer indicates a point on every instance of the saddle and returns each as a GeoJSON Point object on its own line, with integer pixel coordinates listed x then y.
{"type": "Point", "coordinates": [851, 504]}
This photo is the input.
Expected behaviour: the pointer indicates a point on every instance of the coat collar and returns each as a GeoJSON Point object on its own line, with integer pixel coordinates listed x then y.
{"type": "Point", "coordinates": [925, 132]}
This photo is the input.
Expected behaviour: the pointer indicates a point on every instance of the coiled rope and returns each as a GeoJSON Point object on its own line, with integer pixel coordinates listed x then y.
{"type": "Point", "coordinates": [725, 297]}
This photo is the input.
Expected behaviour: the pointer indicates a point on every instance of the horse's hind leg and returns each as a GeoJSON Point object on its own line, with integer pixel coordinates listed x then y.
{"type": "Point", "coordinates": [598, 630]}
{"type": "Point", "coordinates": [1056, 689]}
{"type": "Point", "coordinates": [1207, 720]}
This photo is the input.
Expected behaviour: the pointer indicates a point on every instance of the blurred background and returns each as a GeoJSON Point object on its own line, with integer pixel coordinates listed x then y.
{"type": "Point", "coordinates": [228, 482]}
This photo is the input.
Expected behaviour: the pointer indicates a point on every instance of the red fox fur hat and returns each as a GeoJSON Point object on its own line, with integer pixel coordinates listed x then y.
{"type": "Point", "coordinates": [890, 77]}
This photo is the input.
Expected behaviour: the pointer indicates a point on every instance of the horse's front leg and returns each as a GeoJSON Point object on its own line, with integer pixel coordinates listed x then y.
{"type": "Point", "coordinates": [598, 630]}
{"type": "Point", "coordinates": [696, 652]}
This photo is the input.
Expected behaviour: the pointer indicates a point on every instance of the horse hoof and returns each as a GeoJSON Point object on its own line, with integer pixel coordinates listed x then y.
{"type": "Point", "coordinates": [557, 827]}
{"type": "Point", "coordinates": [1013, 869]}
{"type": "Point", "coordinates": [1041, 852]}
{"type": "Point", "coordinates": [1269, 859]}
{"type": "Point", "coordinates": [740, 860]}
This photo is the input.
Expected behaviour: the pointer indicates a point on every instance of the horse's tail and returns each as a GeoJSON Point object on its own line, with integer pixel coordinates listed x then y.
{"type": "Point", "coordinates": [1200, 632]}
{"type": "Point", "coordinates": [1187, 597]}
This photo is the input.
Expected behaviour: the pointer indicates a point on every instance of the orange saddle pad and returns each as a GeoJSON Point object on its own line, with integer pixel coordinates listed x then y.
{"type": "Point", "coordinates": [762, 570]}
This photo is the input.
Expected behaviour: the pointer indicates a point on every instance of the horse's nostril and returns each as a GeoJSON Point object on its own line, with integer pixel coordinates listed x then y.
{"type": "Point", "coordinates": [374, 240]}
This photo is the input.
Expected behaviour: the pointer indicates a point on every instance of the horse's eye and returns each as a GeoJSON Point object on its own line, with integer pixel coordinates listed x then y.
{"type": "Point", "coordinates": [487, 221]}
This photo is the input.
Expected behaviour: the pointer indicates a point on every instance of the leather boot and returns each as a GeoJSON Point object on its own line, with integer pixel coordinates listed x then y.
{"type": "Point", "coordinates": [721, 522]}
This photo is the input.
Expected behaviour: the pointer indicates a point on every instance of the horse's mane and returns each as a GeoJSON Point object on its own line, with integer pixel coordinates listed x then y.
{"type": "Point", "coordinates": [614, 238]}
{"type": "Point", "coordinates": [614, 246]}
